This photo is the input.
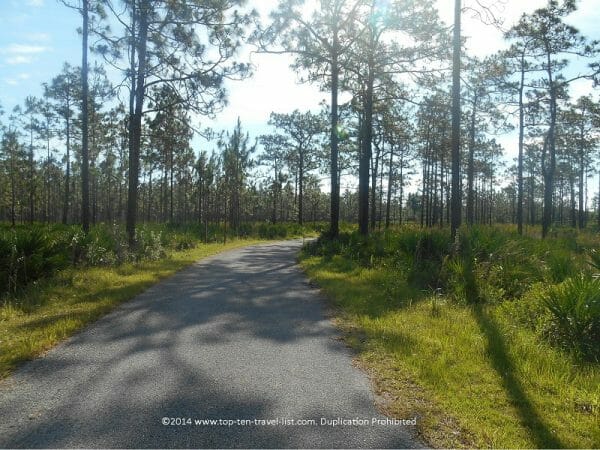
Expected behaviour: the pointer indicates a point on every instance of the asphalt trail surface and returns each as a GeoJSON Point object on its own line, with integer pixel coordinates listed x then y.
{"type": "Point", "coordinates": [241, 335]}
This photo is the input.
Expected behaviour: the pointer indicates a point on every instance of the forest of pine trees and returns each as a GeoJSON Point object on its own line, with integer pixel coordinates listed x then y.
{"type": "Point", "coordinates": [99, 149]}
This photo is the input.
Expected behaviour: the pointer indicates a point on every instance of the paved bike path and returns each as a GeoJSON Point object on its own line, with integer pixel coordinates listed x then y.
{"type": "Point", "coordinates": [240, 335]}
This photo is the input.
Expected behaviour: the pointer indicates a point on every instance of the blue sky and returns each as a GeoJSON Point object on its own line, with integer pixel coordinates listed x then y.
{"type": "Point", "coordinates": [36, 38]}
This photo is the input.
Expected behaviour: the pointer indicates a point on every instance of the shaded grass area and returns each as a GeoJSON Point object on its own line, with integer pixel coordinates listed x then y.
{"type": "Point", "coordinates": [474, 375]}
{"type": "Point", "coordinates": [52, 309]}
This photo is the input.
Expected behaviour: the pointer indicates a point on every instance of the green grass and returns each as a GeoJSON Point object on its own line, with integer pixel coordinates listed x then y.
{"type": "Point", "coordinates": [472, 373]}
{"type": "Point", "coordinates": [52, 309]}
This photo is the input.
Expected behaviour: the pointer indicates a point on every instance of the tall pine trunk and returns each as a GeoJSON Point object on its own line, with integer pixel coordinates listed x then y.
{"type": "Point", "coordinates": [135, 125]}
{"type": "Point", "coordinates": [390, 187]}
{"type": "Point", "coordinates": [582, 167]}
{"type": "Point", "coordinates": [374, 174]}
{"type": "Point", "coordinates": [471, 163]}
{"type": "Point", "coordinates": [301, 189]}
{"type": "Point", "coordinates": [365, 156]}
{"type": "Point", "coordinates": [31, 176]}
{"type": "Point", "coordinates": [456, 206]}
{"type": "Point", "coordinates": [85, 161]}
{"type": "Point", "coordinates": [335, 186]}
{"type": "Point", "coordinates": [67, 198]}
{"type": "Point", "coordinates": [521, 140]}
{"type": "Point", "coordinates": [549, 169]}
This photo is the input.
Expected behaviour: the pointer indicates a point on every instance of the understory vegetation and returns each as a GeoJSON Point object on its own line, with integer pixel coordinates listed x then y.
{"type": "Point", "coordinates": [54, 279]}
{"type": "Point", "coordinates": [28, 253]}
{"type": "Point", "coordinates": [492, 339]}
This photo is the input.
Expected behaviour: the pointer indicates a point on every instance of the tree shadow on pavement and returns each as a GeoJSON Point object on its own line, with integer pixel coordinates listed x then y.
{"type": "Point", "coordinates": [241, 336]}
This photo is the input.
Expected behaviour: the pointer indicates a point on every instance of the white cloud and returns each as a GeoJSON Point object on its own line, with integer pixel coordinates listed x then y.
{"type": "Point", "coordinates": [15, 81]}
{"type": "Point", "coordinates": [21, 49]}
{"type": "Point", "coordinates": [35, 3]}
{"type": "Point", "coordinates": [21, 53]}
{"type": "Point", "coordinates": [37, 37]}
{"type": "Point", "coordinates": [580, 88]}
{"type": "Point", "coordinates": [274, 87]}
{"type": "Point", "coordinates": [18, 59]}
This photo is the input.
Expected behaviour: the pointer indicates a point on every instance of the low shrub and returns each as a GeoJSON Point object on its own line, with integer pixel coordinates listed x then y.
{"type": "Point", "coordinates": [27, 255]}
{"type": "Point", "coordinates": [459, 271]}
{"type": "Point", "coordinates": [594, 260]}
{"type": "Point", "coordinates": [30, 252]}
{"type": "Point", "coordinates": [425, 252]}
{"type": "Point", "coordinates": [548, 284]}
{"type": "Point", "coordinates": [511, 269]}
{"type": "Point", "coordinates": [150, 245]}
{"type": "Point", "coordinates": [529, 310]}
{"type": "Point", "coordinates": [574, 310]}
{"type": "Point", "coordinates": [244, 230]}
{"type": "Point", "coordinates": [272, 231]}
{"type": "Point", "coordinates": [184, 241]}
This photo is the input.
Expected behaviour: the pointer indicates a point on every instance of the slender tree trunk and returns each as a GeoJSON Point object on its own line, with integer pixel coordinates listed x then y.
{"type": "Point", "coordinates": [470, 167]}
{"type": "Point", "coordinates": [585, 199]}
{"type": "Point", "coordinates": [67, 198]}
{"type": "Point", "coordinates": [207, 209]}
{"type": "Point", "coordinates": [47, 174]}
{"type": "Point", "coordinates": [598, 206]}
{"type": "Point", "coordinates": [380, 215]}
{"type": "Point", "coordinates": [532, 212]}
{"type": "Point", "coordinates": [374, 174]}
{"type": "Point", "coordinates": [301, 188]}
{"type": "Point", "coordinates": [85, 161]}
{"type": "Point", "coordinates": [296, 187]}
{"type": "Point", "coordinates": [435, 206]}
{"type": "Point", "coordinates": [135, 134]}
{"type": "Point", "coordinates": [513, 210]}
{"type": "Point", "coordinates": [492, 193]}
{"type": "Point", "coordinates": [424, 181]}
{"type": "Point", "coordinates": [581, 186]}
{"type": "Point", "coordinates": [520, 157]}
{"type": "Point", "coordinates": [275, 192]}
{"type": "Point", "coordinates": [129, 132]}
{"type": "Point", "coordinates": [95, 194]}
{"type": "Point", "coordinates": [149, 207]}
{"type": "Point", "coordinates": [119, 180]}
{"type": "Point", "coordinates": [390, 187]}
{"type": "Point", "coordinates": [401, 196]}
{"type": "Point", "coordinates": [200, 193]}
{"type": "Point", "coordinates": [549, 172]}
{"type": "Point", "coordinates": [448, 198]}
{"type": "Point", "coordinates": [13, 184]}
{"type": "Point", "coordinates": [442, 191]}
{"type": "Point", "coordinates": [573, 204]}
{"type": "Point", "coordinates": [335, 187]}
{"type": "Point", "coordinates": [93, 173]}
{"type": "Point", "coordinates": [456, 182]}
{"type": "Point", "coordinates": [163, 187]}
{"type": "Point", "coordinates": [550, 146]}
{"type": "Point", "coordinates": [31, 176]}
{"type": "Point", "coordinates": [171, 184]}
{"type": "Point", "coordinates": [365, 157]}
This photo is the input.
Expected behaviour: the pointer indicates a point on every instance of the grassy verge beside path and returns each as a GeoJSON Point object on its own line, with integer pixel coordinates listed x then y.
{"type": "Point", "coordinates": [52, 309]}
{"type": "Point", "coordinates": [474, 376]}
